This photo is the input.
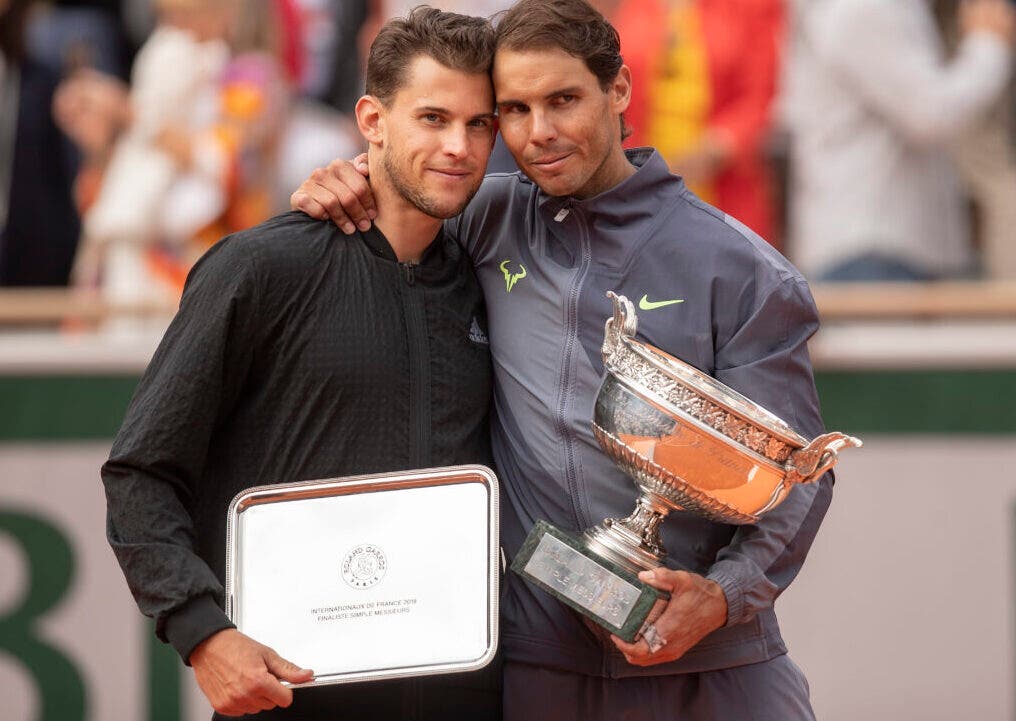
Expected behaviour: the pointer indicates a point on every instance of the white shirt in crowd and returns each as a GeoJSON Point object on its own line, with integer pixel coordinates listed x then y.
{"type": "Point", "coordinates": [479, 8]}
{"type": "Point", "coordinates": [872, 104]}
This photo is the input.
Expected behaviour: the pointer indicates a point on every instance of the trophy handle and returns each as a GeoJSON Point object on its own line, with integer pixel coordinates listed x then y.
{"type": "Point", "coordinates": [622, 324]}
{"type": "Point", "coordinates": [807, 464]}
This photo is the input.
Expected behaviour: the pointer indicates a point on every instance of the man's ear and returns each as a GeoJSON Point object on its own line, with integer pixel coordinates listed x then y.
{"type": "Point", "coordinates": [370, 119]}
{"type": "Point", "coordinates": [620, 90]}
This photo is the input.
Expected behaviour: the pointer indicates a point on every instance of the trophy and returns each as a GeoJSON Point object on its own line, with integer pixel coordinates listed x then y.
{"type": "Point", "coordinates": [690, 443]}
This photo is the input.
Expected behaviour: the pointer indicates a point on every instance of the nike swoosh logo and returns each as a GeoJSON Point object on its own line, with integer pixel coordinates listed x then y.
{"type": "Point", "coordinates": [646, 304]}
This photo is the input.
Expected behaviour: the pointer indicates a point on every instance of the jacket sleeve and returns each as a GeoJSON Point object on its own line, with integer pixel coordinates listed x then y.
{"type": "Point", "coordinates": [159, 454]}
{"type": "Point", "coordinates": [888, 53]}
{"type": "Point", "coordinates": [766, 359]}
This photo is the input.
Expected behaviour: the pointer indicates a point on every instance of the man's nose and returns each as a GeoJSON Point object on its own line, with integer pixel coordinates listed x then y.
{"type": "Point", "coordinates": [542, 129]}
{"type": "Point", "coordinates": [456, 143]}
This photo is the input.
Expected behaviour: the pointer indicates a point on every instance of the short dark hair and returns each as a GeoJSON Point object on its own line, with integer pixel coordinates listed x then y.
{"type": "Point", "coordinates": [574, 26]}
{"type": "Point", "coordinates": [459, 42]}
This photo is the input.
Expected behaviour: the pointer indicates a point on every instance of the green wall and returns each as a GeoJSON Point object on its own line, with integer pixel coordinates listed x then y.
{"type": "Point", "coordinates": [936, 401]}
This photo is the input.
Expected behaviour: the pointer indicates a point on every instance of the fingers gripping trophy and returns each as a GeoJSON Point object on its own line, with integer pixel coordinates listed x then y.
{"type": "Point", "coordinates": [690, 443]}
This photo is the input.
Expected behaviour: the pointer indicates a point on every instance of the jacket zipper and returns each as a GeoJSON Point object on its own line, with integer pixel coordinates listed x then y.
{"type": "Point", "coordinates": [418, 345]}
{"type": "Point", "coordinates": [571, 328]}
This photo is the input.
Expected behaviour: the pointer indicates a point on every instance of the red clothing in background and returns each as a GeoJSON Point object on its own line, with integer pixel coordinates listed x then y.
{"type": "Point", "coordinates": [741, 40]}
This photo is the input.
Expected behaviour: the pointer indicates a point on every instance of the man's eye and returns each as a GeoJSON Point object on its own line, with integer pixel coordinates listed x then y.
{"type": "Point", "coordinates": [431, 118]}
{"type": "Point", "coordinates": [513, 109]}
{"type": "Point", "coordinates": [564, 99]}
{"type": "Point", "coordinates": [480, 123]}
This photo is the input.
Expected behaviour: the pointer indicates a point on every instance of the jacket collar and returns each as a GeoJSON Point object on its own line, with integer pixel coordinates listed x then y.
{"type": "Point", "coordinates": [619, 218]}
{"type": "Point", "coordinates": [378, 244]}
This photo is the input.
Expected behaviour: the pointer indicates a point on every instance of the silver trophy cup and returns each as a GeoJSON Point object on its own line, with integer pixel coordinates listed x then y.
{"type": "Point", "coordinates": [689, 443]}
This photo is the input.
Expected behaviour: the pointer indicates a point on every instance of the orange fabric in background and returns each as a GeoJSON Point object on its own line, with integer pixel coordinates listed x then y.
{"type": "Point", "coordinates": [680, 92]}
{"type": "Point", "coordinates": [742, 40]}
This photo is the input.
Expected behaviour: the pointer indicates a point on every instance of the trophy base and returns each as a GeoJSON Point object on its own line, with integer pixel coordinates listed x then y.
{"type": "Point", "coordinates": [602, 590]}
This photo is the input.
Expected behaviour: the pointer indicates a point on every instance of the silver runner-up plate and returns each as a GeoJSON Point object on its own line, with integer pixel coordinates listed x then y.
{"type": "Point", "coordinates": [369, 577]}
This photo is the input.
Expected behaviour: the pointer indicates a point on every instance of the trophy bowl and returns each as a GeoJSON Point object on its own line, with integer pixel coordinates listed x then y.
{"type": "Point", "coordinates": [689, 442]}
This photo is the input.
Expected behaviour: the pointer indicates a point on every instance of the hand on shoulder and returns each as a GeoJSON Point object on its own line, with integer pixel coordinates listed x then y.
{"type": "Point", "coordinates": [339, 192]}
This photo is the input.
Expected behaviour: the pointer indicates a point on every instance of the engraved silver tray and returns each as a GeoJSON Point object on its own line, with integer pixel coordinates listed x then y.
{"type": "Point", "coordinates": [369, 577]}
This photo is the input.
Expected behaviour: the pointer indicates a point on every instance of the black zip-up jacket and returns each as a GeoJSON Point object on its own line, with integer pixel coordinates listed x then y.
{"type": "Point", "coordinates": [294, 356]}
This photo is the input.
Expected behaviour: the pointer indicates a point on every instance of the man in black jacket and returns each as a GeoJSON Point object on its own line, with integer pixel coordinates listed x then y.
{"type": "Point", "coordinates": [295, 357]}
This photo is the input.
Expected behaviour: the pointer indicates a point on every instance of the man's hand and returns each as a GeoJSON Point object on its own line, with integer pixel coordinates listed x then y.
{"type": "Point", "coordinates": [697, 607]}
{"type": "Point", "coordinates": [177, 144]}
{"type": "Point", "coordinates": [991, 16]}
{"type": "Point", "coordinates": [339, 192]}
{"type": "Point", "coordinates": [241, 676]}
{"type": "Point", "coordinates": [92, 108]}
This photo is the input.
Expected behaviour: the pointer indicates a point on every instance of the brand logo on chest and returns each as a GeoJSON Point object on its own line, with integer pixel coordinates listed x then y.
{"type": "Point", "coordinates": [511, 277]}
{"type": "Point", "coordinates": [476, 333]}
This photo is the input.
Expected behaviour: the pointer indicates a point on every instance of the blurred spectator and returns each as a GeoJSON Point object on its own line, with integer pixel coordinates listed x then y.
{"type": "Point", "coordinates": [173, 166]}
{"type": "Point", "coordinates": [277, 138]}
{"type": "Point", "coordinates": [872, 106]}
{"type": "Point", "coordinates": [986, 161]}
{"type": "Point", "coordinates": [704, 81]}
{"type": "Point", "coordinates": [345, 82]}
{"type": "Point", "coordinates": [480, 8]}
{"type": "Point", "coordinates": [38, 222]}
{"type": "Point", "coordinates": [313, 135]}
{"type": "Point", "coordinates": [154, 185]}
{"type": "Point", "coordinates": [321, 28]}
{"type": "Point", "coordinates": [71, 34]}
{"type": "Point", "coordinates": [92, 108]}
{"type": "Point", "coordinates": [250, 99]}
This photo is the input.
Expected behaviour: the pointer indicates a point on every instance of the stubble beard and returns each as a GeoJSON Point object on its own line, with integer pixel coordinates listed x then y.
{"type": "Point", "coordinates": [413, 194]}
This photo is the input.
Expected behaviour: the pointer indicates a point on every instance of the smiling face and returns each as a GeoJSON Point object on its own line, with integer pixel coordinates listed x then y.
{"type": "Point", "coordinates": [559, 123]}
{"type": "Point", "coordinates": [434, 136]}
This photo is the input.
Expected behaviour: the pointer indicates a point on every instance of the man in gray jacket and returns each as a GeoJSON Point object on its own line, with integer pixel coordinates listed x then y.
{"type": "Point", "coordinates": [586, 218]}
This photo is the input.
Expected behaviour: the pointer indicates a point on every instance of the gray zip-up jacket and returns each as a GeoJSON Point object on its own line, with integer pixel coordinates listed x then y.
{"type": "Point", "coordinates": [744, 316]}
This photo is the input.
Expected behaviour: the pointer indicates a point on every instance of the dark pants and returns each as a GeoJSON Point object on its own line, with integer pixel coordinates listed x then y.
{"type": "Point", "coordinates": [468, 696]}
{"type": "Point", "coordinates": [773, 690]}
{"type": "Point", "coordinates": [874, 267]}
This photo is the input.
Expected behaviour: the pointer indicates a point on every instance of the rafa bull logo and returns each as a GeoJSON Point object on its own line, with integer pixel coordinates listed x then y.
{"type": "Point", "coordinates": [510, 279]}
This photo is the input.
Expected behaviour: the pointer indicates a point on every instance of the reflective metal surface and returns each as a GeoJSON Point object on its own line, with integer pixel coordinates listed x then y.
{"type": "Point", "coordinates": [369, 577]}
{"type": "Point", "coordinates": [689, 442]}
{"type": "Point", "coordinates": [610, 594]}
{"type": "Point", "coordinates": [582, 580]}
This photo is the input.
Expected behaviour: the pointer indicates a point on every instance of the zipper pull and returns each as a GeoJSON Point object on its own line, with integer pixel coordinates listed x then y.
{"type": "Point", "coordinates": [407, 269]}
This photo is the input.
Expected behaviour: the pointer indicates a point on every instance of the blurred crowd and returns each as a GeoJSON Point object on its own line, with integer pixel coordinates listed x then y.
{"type": "Point", "coordinates": [865, 139]}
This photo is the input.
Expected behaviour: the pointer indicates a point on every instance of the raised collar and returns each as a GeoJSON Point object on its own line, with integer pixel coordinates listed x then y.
{"type": "Point", "coordinates": [618, 217]}
{"type": "Point", "coordinates": [651, 175]}
{"type": "Point", "coordinates": [379, 245]}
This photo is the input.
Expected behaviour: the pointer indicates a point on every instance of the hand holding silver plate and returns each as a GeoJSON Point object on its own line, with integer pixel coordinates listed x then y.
{"type": "Point", "coordinates": [370, 577]}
